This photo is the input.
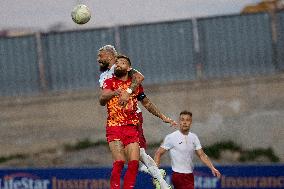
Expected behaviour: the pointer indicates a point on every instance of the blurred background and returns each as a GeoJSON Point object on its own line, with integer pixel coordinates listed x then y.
{"type": "Point", "coordinates": [223, 60]}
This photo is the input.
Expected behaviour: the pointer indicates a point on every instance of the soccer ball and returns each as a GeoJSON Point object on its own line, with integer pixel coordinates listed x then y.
{"type": "Point", "coordinates": [81, 14]}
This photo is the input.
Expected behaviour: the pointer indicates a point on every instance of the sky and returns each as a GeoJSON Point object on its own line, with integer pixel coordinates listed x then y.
{"type": "Point", "coordinates": [45, 14]}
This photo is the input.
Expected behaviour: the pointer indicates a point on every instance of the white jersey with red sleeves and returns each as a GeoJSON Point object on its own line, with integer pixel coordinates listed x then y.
{"type": "Point", "coordinates": [109, 74]}
{"type": "Point", "coordinates": [182, 148]}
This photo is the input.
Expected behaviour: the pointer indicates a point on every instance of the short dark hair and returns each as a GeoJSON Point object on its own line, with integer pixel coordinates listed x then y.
{"type": "Point", "coordinates": [185, 112]}
{"type": "Point", "coordinates": [125, 57]}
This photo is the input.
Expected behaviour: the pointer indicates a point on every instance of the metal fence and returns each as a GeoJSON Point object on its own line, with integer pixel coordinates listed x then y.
{"type": "Point", "coordinates": [236, 46]}
{"type": "Point", "coordinates": [228, 46]}
{"type": "Point", "coordinates": [19, 73]}
{"type": "Point", "coordinates": [162, 52]}
{"type": "Point", "coordinates": [280, 40]}
{"type": "Point", "coordinates": [70, 58]}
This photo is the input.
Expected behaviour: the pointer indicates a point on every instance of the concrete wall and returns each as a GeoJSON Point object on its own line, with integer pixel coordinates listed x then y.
{"type": "Point", "coordinates": [249, 111]}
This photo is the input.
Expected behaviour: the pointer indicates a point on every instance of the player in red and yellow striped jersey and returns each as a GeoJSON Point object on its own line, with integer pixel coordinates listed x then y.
{"type": "Point", "coordinates": [121, 128]}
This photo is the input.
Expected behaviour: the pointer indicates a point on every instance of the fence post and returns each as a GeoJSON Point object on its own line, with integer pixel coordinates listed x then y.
{"type": "Point", "coordinates": [274, 33]}
{"type": "Point", "coordinates": [117, 38]}
{"type": "Point", "coordinates": [196, 45]}
{"type": "Point", "coordinates": [40, 59]}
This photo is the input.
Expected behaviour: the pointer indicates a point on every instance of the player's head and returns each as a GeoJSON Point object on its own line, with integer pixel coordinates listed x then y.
{"type": "Point", "coordinates": [185, 120]}
{"type": "Point", "coordinates": [106, 57]}
{"type": "Point", "coordinates": [122, 66]}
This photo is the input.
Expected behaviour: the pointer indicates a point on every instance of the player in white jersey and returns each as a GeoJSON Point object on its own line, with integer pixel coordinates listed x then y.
{"type": "Point", "coordinates": [182, 145]}
{"type": "Point", "coordinates": [107, 58]}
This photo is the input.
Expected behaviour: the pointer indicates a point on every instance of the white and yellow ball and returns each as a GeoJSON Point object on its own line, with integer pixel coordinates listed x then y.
{"type": "Point", "coordinates": [81, 14]}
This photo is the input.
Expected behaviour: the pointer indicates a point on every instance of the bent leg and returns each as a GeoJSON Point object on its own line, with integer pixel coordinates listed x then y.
{"type": "Point", "coordinates": [154, 171]}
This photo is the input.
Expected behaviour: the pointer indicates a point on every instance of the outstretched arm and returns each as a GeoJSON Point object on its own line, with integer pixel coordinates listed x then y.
{"type": "Point", "coordinates": [205, 159]}
{"type": "Point", "coordinates": [106, 95]}
{"type": "Point", "coordinates": [152, 108]}
{"type": "Point", "coordinates": [137, 79]}
{"type": "Point", "coordinates": [159, 153]}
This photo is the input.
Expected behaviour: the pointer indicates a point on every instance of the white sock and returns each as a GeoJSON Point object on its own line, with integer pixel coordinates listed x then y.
{"type": "Point", "coordinates": [152, 168]}
{"type": "Point", "coordinates": [143, 168]}
{"type": "Point", "coordinates": [156, 173]}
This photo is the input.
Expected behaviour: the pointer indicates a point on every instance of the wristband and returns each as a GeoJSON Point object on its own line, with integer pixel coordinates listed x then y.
{"type": "Point", "coordinates": [129, 90]}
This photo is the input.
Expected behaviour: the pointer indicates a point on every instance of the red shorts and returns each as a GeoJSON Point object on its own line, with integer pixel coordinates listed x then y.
{"type": "Point", "coordinates": [142, 140]}
{"type": "Point", "coordinates": [183, 180]}
{"type": "Point", "coordinates": [126, 134]}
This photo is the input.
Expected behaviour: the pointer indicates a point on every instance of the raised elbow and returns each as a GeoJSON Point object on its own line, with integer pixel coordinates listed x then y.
{"type": "Point", "coordinates": [139, 77]}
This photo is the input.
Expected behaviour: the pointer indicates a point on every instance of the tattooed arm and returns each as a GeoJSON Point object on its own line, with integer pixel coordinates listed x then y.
{"type": "Point", "coordinates": [137, 79]}
{"type": "Point", "coordinates": [152, 108]}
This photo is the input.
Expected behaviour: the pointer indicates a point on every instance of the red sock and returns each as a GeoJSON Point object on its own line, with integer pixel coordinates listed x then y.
{"type": "Point", "coordinates": [115, 174]}
{"type": "Point", "coordinates": [130, 175]}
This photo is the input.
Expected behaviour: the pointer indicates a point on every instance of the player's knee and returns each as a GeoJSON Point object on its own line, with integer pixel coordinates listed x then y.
{"type": "Point", "coordinates": [143, 154]}
{"type": "Point", "coordinates": [151, 161]}
{"type": "Point", "coordinates": [118, 157]}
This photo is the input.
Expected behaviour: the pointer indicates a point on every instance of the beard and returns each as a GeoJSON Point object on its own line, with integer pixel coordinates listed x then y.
{"type": "Point", "coordinates": [120, 73]}
{"type": "Point", "coordinates": [104, 66]}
